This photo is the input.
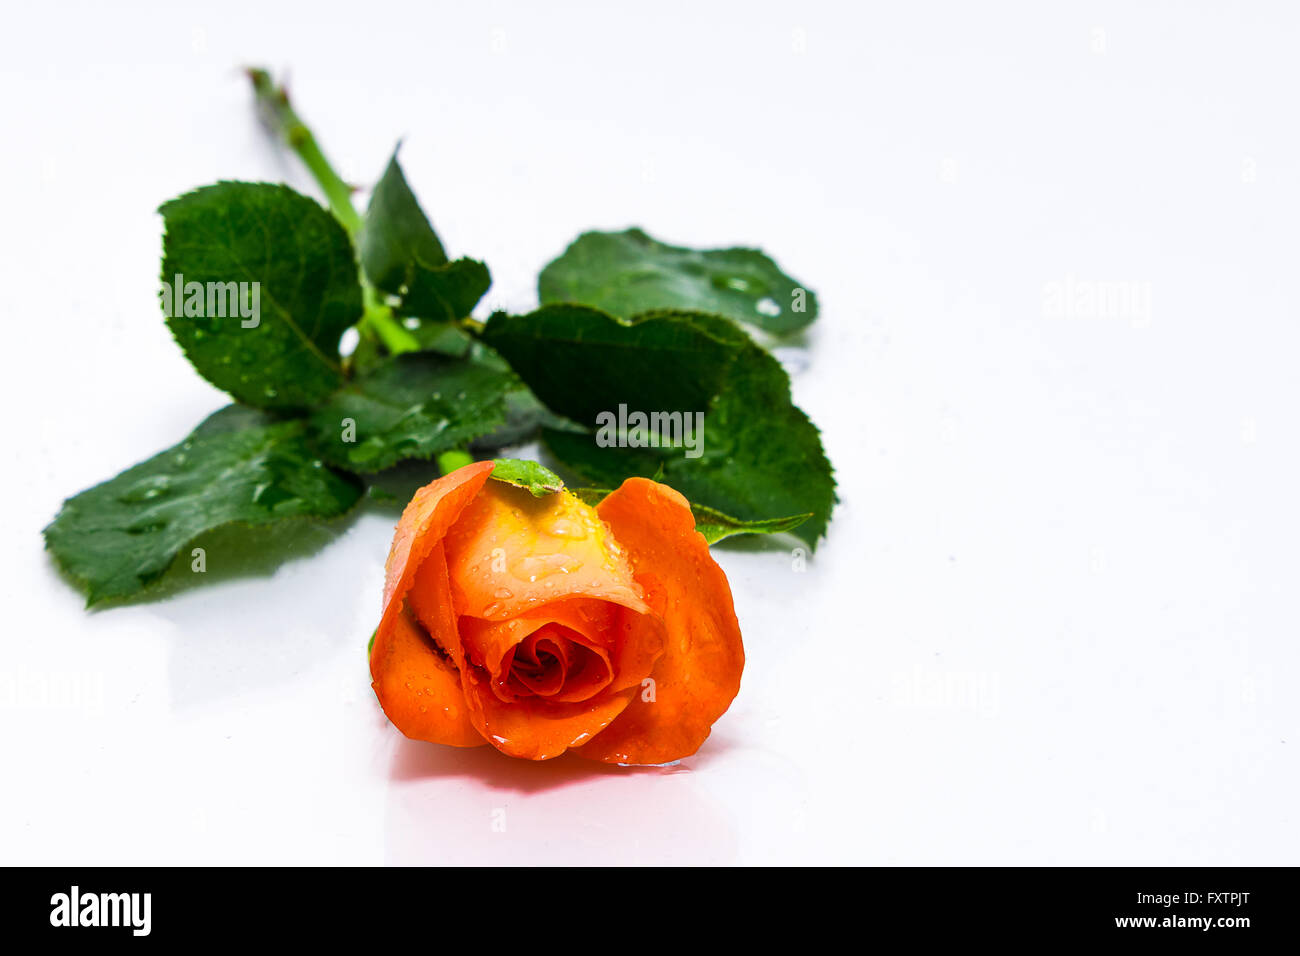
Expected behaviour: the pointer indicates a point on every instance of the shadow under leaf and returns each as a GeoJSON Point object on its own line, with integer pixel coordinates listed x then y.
{"type": "Point", "coordinates": [244, 551]}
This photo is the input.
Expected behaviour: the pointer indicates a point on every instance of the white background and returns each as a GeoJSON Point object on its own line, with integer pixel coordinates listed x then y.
{"type": "Point", "coordinates": [1054, 621]}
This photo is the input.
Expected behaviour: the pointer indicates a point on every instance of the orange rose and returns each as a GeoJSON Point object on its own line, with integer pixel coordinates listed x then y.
{"type": "Point", "coordinates": [542, 624]}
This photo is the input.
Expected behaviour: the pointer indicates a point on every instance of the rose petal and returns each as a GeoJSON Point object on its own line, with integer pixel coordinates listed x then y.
{"type": "Point", "coordinates": [408, 669]}
{"type": "Point", "coordinates": [536, 728]}
{"type": "Point", "coordinates": [419, 689]}
{"type": "Point", "coordinates": [430, 601]}
{"type": "Point", "coordinates": [640, 643]}
{"type": "Point", "coordinates": [698, 675]}
{"type": "Point", "coordinates": [540, 664]}
{"type": "Point", "coordinates": [626, 641]}
{"type": "Point", "coordinates": [425, 522]}
{"type": "Point", "coordinates": [488, 642]}
{"type": "Point", "coordinates": [511, 552]}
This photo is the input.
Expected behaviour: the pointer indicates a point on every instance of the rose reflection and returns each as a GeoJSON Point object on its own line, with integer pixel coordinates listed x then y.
{"type": "Point", "coordinates": [478, 807]}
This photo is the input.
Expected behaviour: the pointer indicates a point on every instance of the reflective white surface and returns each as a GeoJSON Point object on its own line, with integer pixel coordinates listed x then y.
{"type": "Point", "coordinates": [1054, 621]}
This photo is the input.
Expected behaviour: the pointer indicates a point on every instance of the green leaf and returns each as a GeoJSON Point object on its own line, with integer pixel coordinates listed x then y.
{"type": "Point", "coordinates": [240, 466]}
{"type": "Point", "coordinates": [415, 405]}
{"type": "Point", "coordinates": [581, 362]}
{"type": "Point", "coordinates": [713, 524]}
{"type": "Point", "coordinates": [538, 479]}
{"type": "Point", "coordinates": [307, 292]}
{"type": "Point", "coordinates": [626, 273]}
{"type": "Point", "coordinates": [402, 255]}
{"type": "Point", "coordinates": [446, 292]}
{"type": "Point", "coordinates": [758, 456]}
{"type": "Point", "coordinates": [446, 338]}
{"type": "Point", "coordinates": [525, 416]}
{"type": "Point", "coordinates": [396, 231]}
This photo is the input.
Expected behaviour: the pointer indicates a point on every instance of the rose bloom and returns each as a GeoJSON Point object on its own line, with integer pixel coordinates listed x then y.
{"type": "Point", "coordinates": [539, 625]}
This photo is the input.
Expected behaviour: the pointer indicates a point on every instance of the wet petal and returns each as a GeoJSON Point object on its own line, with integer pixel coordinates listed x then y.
{"type": "Point", "coordinates": [536, 728]}
{"type": "Point", "coordinates": [424, 523]}
{"type": "Point", "coordinates": [540, 664]}
{"type": "Point", "coordinates": [414, 675]}
{"type": "Point", "coordinates": [639, 644]}
{"type": "Point", "coordinates": [430, 601]}
{"type": "Point", "coordinates": [571, 638]}
{"type": "Point", "coordinates": [698, 674]}
{"type": "Point", "coordinates": [511, 552]}
{"type": "Point", "coordinates": [420, 689]}
{"type": "Point", "coordinates": [488, 642]}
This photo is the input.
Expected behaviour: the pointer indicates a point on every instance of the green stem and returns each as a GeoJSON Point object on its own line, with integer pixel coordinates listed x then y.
{"type": "Point", "coordinates": [379, 319]}
{"type": "Point", "coordinates": [279, 115]}
{"type": "Point", "coordinates": [449, 461]}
